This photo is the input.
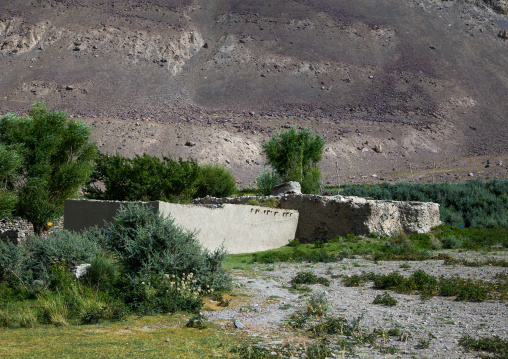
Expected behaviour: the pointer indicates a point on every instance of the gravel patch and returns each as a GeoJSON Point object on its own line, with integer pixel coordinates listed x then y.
{"type": "Point", "coordinates": [265, 301]}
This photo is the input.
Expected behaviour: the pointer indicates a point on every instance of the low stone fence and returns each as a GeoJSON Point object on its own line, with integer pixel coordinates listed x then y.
{"type": "Point", "coordinates": [16, 229]}
{"type": "Point", "coordinates": [323, 217]}
{"type": "Point", "coordinates": [241, 229]}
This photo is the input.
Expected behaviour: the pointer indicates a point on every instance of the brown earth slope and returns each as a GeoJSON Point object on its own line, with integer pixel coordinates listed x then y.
{"type": "Point", "coordinates": [421, 81]}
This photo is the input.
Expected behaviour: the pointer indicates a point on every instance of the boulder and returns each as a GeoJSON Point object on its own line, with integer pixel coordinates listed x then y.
{"type": "Point", "coordinates": [291, 187]}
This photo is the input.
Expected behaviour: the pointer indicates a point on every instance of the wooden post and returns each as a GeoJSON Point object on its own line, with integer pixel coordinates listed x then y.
{"type": "Point", "coordinates": [338, 179]}
{"type": "Point", "coordinates": [433, 170]}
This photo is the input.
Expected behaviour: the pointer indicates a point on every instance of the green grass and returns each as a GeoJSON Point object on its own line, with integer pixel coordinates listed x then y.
{"type": "Point", "coordinates": [134, 338]}
{"type": "Point", "coordinates": [414, 247]}
{"type": "Point", "coordinates": [427, 286]}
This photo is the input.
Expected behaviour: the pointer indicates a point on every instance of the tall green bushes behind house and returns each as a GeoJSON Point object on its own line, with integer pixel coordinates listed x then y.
{"type": "Point", "coordinates": [295, 156]}
{"type": "Point", "coordinates": [147, 178]}
{"type": "Point", "coordinates": [469, 204]}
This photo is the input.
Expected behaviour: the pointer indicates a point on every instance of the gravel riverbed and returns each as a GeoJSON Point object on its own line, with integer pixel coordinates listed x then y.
{"type": "Point", "coordinates": [264, 301]}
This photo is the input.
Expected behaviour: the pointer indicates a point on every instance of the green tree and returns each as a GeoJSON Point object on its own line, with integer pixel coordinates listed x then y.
{"type": "Point", "coordinates": [57, 159]}
{"type": "Point", "coordinates": [10, 163]}
{"type": "Point", "coordinates": [295, 156]}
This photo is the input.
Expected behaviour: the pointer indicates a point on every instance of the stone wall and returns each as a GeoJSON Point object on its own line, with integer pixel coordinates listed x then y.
{"type": "Point", "coordinates": [241, 229]}
{"type": "Point", "coordinates": [16, 229]}
{"type": "Point", "coordinates": [323, 217]}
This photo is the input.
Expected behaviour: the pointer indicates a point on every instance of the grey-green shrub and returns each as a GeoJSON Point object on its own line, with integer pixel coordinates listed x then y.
{"type": "Point", "coordinates": [146, 242]}
{"type": "Point", "coordinates": [74, 248]}
{"type": "Point", "coordinates": [11, 262]}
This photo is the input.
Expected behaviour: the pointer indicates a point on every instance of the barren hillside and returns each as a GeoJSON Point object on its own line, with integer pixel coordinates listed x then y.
{"type": "Point", "coordinates": [421, 81]}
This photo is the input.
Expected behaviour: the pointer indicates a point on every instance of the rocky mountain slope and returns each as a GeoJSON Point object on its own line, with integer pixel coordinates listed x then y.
{"type": "Point", "coordinates": [395, 87]}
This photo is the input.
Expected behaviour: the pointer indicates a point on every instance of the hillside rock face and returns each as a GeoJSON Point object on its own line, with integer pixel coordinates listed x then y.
{"type": "Point", "coordinates": [324, 217]}
{"type": "Point", "coordinates": [386, 83]}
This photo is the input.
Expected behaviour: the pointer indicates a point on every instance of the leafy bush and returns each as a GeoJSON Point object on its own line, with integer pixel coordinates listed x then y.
{"type": "Point", "coordinates": [103, 273]}
{"type": "Point", "coordinates": [469, 204]}
{"type": "Point", "coordinates": [385, 299]}
{"type": "Point", "coordinates": [266, 181]}
{"type": "Point", "coordinates": [354, 281]}
{"type": "Point", "coordinates": [419, 281]}
{"type": "Point", "coordinates": [197, 321]}
{"type": "Point", "coordinates": [60, 277]}
{"type": "Point", "coordinates": [143, 178]}
{"type": "Point", "coordinates": [295, 155]}
{"type": "Point", "coordinates": [307, 277]}
{"type": "Point", "coordinates": [215, 180]}
{"type": "Point", "coordinates": [463, 289]}
{"type": "Point", "coordinates": [451, 242]}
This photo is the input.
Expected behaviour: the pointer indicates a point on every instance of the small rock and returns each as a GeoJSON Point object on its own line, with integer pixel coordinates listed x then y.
{"type": "Point", "coordinates": [365, 149]}
{"type": "Point", "coordinates": [190, 144]}
{"type": "Point", "coordinates": [371, 77]}
{"type": "Point", "coordinates": [167, 340]}
{"type": "Point", "coordinates": [80, 270]}
{"type": "Point", "coordinates": [471, 174]}
{"type": "Point", "coordinates": [239, 324]}
{"type": "Point", "coordinates": [378, 149]}
{"type": "Point", "coordinates": [69, 87]}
